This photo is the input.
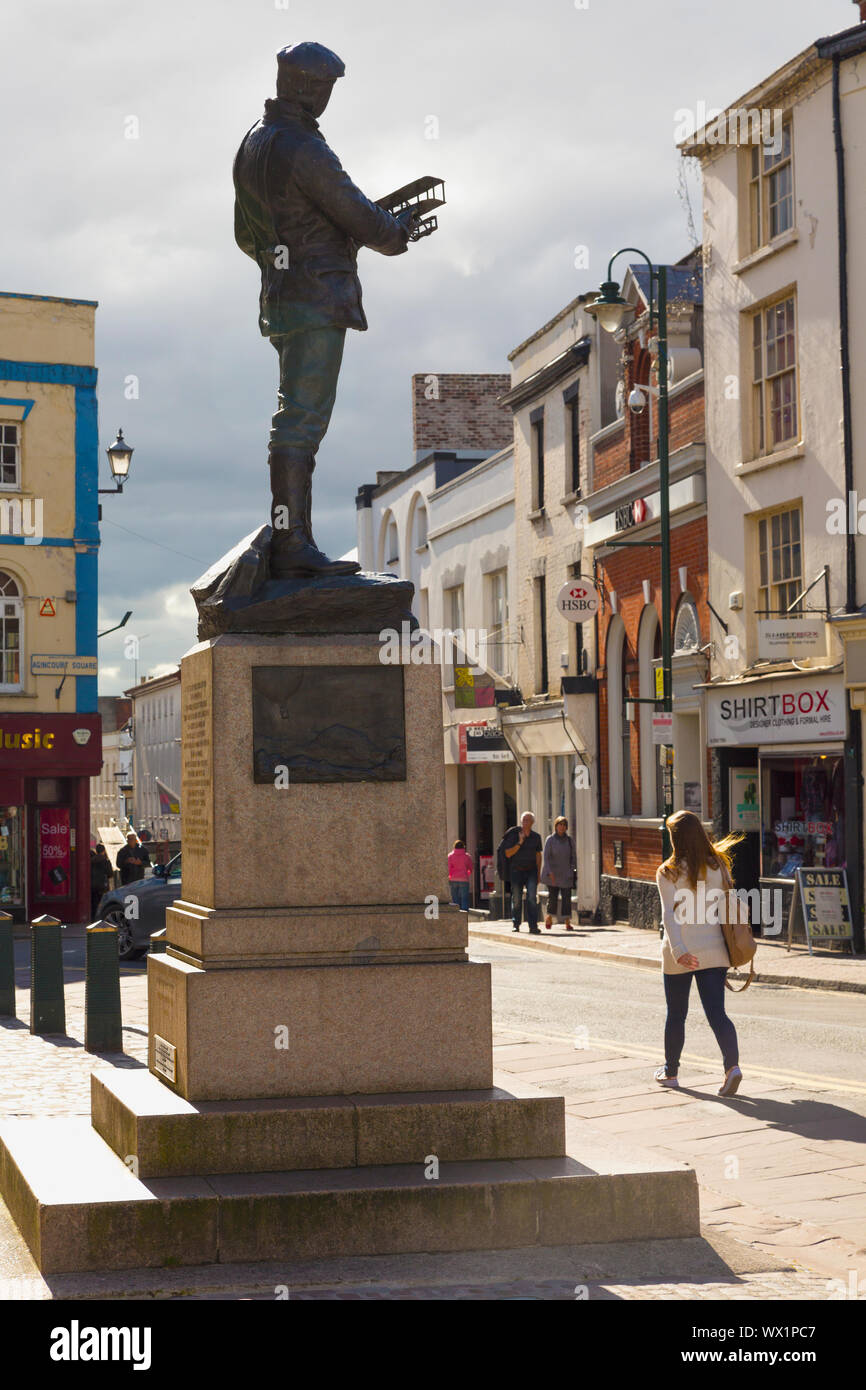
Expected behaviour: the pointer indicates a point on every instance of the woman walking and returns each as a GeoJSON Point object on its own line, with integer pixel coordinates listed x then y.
{"type": "Point", "coordinates": [460, 875]}
{"type": "Point", "coordinates": [693, 945]}
{"type": "Point", "coordinates": [558, 870]}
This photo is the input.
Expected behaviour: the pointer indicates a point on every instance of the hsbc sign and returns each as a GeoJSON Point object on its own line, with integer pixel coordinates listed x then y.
{"type": "Point", "coordinates": [631, 514]}
{"type": "Point", "coordinates": [578, 601]}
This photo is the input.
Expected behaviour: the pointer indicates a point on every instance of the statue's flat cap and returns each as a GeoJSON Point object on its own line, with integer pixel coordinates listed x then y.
{"type": "Point", "coordinates": [310, 60]}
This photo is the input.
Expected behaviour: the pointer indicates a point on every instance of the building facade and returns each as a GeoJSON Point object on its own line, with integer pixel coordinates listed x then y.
{"type": "Point", "coordinates": [156, 756]}
{"type": "Point", "coordinates": [624, 506]}
{"type": "Point", "coordinates": [555, 397]}
{"type": "Point", "coordinates": [447, 524]}
{"type": "Point", "coordinates": [49, 537]}
{"type": "Point", "coordinates": [110, 790]}
{"type": "Point", "coordinates": [786, 434]}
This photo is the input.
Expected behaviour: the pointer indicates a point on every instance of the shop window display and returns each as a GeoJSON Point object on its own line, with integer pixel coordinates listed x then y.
{"type": "Point", "coordinates": [803, 814]}
{"type": "Point", "coordinates": [11, 857]}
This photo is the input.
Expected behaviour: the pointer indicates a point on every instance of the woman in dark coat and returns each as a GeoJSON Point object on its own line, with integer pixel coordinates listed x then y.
{"type": "Point", "coordinates": [558, 871]}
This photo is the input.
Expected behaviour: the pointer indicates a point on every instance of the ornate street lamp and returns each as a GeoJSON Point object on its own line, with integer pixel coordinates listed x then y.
{"type": "Point", "coordinates": [609, 308]}
{"type": "Point", "coordinates": [119, 459]}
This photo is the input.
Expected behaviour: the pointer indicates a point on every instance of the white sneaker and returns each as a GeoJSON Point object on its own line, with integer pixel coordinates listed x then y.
{"type": "Point", "coordinates": [663, 1079]}
{"type": "Point", "coordinates": [731, 1082]}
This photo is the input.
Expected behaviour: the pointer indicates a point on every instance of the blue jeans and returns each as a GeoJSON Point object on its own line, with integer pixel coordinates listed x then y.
{"type": "Point", "coordinates": [524, 879]}
{"type": "Point", "coordinates": [460, 893]}
{"type": "Point", "coordinates": [711, 988]}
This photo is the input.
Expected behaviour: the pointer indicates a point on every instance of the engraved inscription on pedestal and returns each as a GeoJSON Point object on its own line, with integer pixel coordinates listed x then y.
{"type": "Point", "coordinates": [329, 723]}
{"type": "Point", "coordinates": [197, 764]}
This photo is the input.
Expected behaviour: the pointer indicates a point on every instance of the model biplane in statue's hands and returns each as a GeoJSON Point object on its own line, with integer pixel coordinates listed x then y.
{"type": "Point", "coordinates": [417, 198]}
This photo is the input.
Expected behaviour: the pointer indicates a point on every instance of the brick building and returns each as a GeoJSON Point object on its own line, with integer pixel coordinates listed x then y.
{"type": "Point", "coordinates": [625, 504]}
{"type": "Point", "coordinates": [459, 410]}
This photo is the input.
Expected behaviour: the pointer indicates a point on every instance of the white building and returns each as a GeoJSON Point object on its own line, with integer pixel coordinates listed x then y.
{"type": "Point", "coordinates": [558, 378]}
{"type": "Point", "coordinates": [785, 345]}
{"type": "Point", "coordinates": [156, 726]}
{"type": "Point", "coordinates": [447, 524]}
{"type": "Point", "coordinates": [108, 800]}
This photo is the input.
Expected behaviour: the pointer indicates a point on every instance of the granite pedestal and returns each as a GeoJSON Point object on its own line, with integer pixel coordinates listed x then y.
{"type": "Point", "coordinates": [320, 1067]}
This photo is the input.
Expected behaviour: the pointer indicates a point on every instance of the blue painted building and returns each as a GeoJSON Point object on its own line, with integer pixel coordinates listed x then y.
{"type": "Point", "coordinates": [50, 738]}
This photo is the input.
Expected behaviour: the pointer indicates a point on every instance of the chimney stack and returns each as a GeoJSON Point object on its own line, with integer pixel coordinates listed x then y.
{"type": "Point", "coordinates": [862, 5]}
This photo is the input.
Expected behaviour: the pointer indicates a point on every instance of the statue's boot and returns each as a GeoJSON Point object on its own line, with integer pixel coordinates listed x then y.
{"type": "Point", "coordinates": [293, 549]}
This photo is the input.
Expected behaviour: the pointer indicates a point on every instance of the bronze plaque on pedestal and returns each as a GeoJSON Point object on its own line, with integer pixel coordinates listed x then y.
{"type": "Point", "coordinates": [328, 724]}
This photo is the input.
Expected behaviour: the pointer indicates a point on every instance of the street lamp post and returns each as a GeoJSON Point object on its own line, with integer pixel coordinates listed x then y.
{"type": "Point", "coordinates": [609, 308]}
{"type": "Point", "coordinates": [119, 459]}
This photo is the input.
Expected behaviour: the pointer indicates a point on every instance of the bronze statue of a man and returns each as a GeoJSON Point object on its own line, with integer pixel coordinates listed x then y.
{"type": "Point", "coordinates": [300, 217]}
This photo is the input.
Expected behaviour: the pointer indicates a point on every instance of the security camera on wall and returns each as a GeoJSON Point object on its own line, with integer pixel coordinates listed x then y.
{"type": "Point", "coordinates": [636, 401]}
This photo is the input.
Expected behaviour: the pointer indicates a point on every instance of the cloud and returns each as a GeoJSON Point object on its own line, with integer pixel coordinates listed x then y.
{"type": "Point", "coordinates": [551, 133]}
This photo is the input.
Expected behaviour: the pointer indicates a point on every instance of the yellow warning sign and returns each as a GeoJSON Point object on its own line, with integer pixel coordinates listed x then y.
{"type": "Point", "coordinates": [47, 610]}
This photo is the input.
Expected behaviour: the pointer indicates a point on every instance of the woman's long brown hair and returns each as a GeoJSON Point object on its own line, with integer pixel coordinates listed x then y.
{"type": "Point", "coordinates": [693, 849]}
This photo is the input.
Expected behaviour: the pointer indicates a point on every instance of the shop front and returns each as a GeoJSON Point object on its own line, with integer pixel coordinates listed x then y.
{"type": "Point", "coordinates": [46, 762]}
{"type": "Point", "coordinates": [780, 759]}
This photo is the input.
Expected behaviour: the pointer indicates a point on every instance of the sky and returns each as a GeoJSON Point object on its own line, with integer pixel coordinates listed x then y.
{"type": "Point", "coordinates": [552, 124]}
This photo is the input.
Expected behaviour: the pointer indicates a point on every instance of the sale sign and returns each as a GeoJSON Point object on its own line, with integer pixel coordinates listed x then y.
{"type": "Point", "coordinates": [55, 857]}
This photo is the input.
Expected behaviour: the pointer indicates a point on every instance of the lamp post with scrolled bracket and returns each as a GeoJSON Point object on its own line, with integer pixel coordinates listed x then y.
{"type": "Point", "coordinates": [609, 308]}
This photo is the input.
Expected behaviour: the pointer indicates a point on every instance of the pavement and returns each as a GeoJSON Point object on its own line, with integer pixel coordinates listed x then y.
{"type": "Point", "coordinates": [625, 945]}
{"type": "Point", "coordinates": [783, 1183]}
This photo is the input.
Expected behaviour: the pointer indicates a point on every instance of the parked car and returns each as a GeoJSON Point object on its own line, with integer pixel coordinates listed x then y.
{"type": "Point", "coordinates": [152, 896]}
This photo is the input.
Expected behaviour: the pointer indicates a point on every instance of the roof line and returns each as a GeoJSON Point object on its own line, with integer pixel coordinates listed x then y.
{"type": "Point", "coordinates": [49, 298]}
{"type": "Point", "coordinates": [551, 323]}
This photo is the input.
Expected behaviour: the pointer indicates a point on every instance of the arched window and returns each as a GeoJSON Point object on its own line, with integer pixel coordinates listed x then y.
{"type": "Point", "coordinates": [618, 727]}
{"type": "Point", "coordinates": [418, 556]}
{"type": "Point", "coordinates": [687, 630]}
{"type": "Point", "coordinates": [649, 649]}
{"type": "Point", "coordinates": [11, 625]}
{"type": "Point", "coordinates": [389, 544]}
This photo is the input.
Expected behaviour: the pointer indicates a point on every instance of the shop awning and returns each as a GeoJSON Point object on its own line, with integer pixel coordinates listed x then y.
{"type": "Point", "coordinates": [543, 734]}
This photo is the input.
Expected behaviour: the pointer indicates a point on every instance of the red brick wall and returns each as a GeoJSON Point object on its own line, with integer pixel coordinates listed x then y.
{"type": "Point", "coordinates": [624, 572]}
{"type": "Point", "coordinates": [460, 411]}
{"type": "Point", "coordinates": [641, 851]}
{"type": "Point", "coordinates": [629, 446]}
{"type": "Point", "coordinates": [610, 458]}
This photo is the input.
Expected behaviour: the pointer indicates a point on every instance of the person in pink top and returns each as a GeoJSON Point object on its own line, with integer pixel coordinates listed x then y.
{"type": "Point", "coordinates": [460, 874]}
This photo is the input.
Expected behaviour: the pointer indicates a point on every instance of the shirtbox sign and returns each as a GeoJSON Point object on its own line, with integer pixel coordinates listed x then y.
{"type": "Point", "coordinates": [777, 712]}
{"type": "Point", "coordinates": [577, 601]}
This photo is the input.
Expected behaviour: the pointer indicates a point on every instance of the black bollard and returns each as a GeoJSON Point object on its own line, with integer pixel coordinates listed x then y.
{"type": "Point", "coordinates": [7, 967]}
{"type": "Point", "coordinates": [103, 1029]}
{"type": "Point", "coordinates": [47, 1004]}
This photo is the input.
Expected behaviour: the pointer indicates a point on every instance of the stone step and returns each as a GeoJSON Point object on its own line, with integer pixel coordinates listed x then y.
{"type": "Point", "coordinates": [167, 1136]}
{"type": "Point", "coordinates": [80, 1208]}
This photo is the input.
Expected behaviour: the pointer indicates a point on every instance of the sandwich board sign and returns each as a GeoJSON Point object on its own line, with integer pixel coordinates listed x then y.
{"type": "Point", "coordinates": [822, 905]}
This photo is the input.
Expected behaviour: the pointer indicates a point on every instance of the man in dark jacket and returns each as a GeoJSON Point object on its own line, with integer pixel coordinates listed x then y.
{"type": "Point", "coordinates": [300, 217]}
{"type": "Point", "coordinates": [132, 859]}
{"type": "Point", "coordinates": [519, 854]}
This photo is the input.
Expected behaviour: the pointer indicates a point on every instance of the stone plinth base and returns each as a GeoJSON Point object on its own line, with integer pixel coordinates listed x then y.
{"type": "Point", "coordinates": [89, 1211]}
{"type": "Point", "coordinates": [318, 1031]}
{"type": "Point", "coordinates": [388, 934]}
{"type": "Point", "coordinates": [168, 1136]}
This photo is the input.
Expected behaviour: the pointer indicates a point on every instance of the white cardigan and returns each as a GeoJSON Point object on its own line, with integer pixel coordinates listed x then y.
{"type": "Point", "coordinates": [682, 934]}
